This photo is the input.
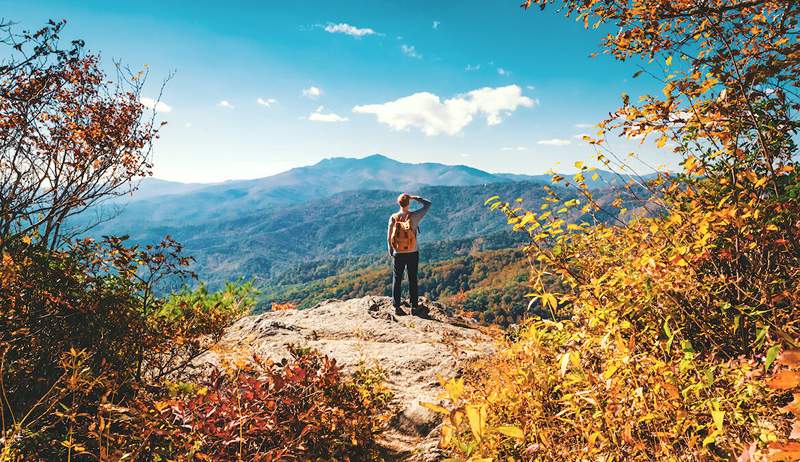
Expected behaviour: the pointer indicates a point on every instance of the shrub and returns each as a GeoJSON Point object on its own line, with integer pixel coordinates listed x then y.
{"type": "Point", "coordinates": [298, 409]}
{"type": "Point", "coordinates": [670, 316]}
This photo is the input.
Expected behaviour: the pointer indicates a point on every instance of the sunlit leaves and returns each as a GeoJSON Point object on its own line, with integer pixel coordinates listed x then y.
{"type": "Point", "coordinates": [691, 295]}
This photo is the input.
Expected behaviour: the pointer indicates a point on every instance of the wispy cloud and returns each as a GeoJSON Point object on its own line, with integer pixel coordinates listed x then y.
{"type": "Point", "coordinates": [472, 67]}
{"type": "Point", "coordinates": [319, 116]}
{"type": "Point", "coordinates": [554, 142]}
{"type": "Point", "coordinates": [268, 102]}
{"type": "Point", "coordinates": [347, 29]}
{"type": "Point", "coordinates": [503, 72]}
{"type": "Point", "coordinates": [584, 125]}
{"type": "Point", "coordinates": [158, 106]}
{"type": "Point", "coordinates": [514, 148]}
{"type": "Point", "coordinates": [433, 116]}
{"type": "Point", "coordinates": [312, 92]}
{"type": "Point", "coordinates": [410, 51]}
{"type": "Point", "coordinates": [530, 87]}
{"type": "Point", "coordinates": [436, 24]}
{"type": "Point", "coordinates": [226, 104]}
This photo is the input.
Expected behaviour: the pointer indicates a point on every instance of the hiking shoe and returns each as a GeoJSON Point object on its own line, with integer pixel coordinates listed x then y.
{"type": "Point", "coordinates": [419, 311]}
{"type": "Point", "coordinates": [399, 311]}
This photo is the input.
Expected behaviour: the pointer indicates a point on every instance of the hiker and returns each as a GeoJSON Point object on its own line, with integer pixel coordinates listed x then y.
{"type": "Point", "coordinates": [404, 249]}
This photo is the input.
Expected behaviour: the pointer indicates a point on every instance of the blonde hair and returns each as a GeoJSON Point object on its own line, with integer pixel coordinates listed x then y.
{"type": "Point", "coordinates": [403, 200]}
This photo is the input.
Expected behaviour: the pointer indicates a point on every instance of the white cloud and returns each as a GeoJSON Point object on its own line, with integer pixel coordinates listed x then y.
{"type": "Point", "coordinates": [187, 124]}
{"type": "Point", "coordinates": [554, 142]}
{"type": "Point", "coordinates": [312, 92]}
{"type": "Point", "coordinates": [428, 113]}
{"type": "Point", "coordinates": [502, 71]}
{"type": "Point", "coordinates": [580, 136]}
{"type": "Point", "coordinates": [319, 116]}
{"type": "Point", "coordinates": [226, 104]}
{"type": "Point", "coordinates": [472, 68]}
{"type": "Point", "coordinates": [266, 102]}
{"type": "Point", "coordinates": [511, 148]}
{"type": "Point", "coordinates": [436, 24]}
{"type": "Point", "coordinates": [530, 87]}
{"type": "Point", "coordinates": [410, 51]}
{"type": "Point", "coordinates": [347, 29]}
{"type": "Point", "coordinates": [584, 125]}
{"type": "Point", "coordinates": [158, 106]}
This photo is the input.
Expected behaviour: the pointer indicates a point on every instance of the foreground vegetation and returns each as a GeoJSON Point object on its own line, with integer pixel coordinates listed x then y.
{"type": "Point", "coordinates": [679, 329]}
{"type": "Point", "coordinates": [95, 364]}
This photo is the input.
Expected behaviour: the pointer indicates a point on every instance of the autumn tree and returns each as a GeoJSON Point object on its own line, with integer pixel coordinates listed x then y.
{"type": "Point", "coordinates": [69, 137]}
{"type": "Point", "coordinates": [670, 316]}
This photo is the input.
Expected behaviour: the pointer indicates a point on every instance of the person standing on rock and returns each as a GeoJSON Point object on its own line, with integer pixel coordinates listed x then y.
{"type": "Point", "coordinates": [401, 238]}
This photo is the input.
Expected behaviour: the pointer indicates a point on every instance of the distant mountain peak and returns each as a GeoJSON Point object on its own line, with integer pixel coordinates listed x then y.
{"type": "Point", "coordinates": [378, 157]}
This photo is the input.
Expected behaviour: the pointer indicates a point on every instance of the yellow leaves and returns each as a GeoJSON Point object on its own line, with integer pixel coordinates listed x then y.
{"type": "Point", "coordinates": [447, 436]}
{"type": "Point", "coordinates": [709, 83]}
{"type": "Point", "coordinates": [662, 141]}
{"type": "Point", "coordinates": [610, 371]}
{"type": "Point", "coordinates": [549, 300]}
{"type": "Point", "coordinates": [454, 389]}
{"type": "Point", "coordinates": [434, 407]}
{"type": "Point", "coordinates": [476, 418]}
{"type": "Point", "coordinates": [564, 364]}
{"type": "Point", "coordinates": [668, 61]}
{"type": "Point", "coordinates": [718, 417]}
{"type": "Point", "coordinates": [690, 164]}
{"type": "Point", "coordinates": [512, 432]}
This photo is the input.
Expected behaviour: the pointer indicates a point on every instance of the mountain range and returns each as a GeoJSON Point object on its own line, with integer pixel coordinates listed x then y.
{"type": "Point", "coordinates": [321, 220]}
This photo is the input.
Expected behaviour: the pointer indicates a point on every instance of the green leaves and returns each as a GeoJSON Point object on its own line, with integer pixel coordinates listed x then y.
{"type": "Point", "coordinates": [772, 353]}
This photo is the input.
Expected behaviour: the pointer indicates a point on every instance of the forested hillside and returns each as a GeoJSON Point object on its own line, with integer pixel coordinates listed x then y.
{"type": "Point", "coordinates": [491, 285]}
{"type": "Point", "coordinates": [263, 243]}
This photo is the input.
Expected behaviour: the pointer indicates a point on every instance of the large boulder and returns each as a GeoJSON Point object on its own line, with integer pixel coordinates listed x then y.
{"type": "Point", "coordinates": [414, 351]}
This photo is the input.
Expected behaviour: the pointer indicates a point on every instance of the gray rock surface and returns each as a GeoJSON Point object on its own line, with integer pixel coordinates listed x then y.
{"type": "Point", "coordinates": [414, 352]}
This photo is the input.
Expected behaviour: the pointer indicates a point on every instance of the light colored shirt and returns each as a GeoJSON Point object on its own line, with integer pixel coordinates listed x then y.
{"type": "Point", "coordinates": [416, 216]}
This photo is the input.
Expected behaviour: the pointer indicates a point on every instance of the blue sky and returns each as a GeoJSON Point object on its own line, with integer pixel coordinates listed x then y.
{"type": "Point", "coordinates": [260, 87]}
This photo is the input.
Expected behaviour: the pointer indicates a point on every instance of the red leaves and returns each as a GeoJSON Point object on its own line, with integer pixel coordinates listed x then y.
{"type": "Point", "coordinates": [297, 409]}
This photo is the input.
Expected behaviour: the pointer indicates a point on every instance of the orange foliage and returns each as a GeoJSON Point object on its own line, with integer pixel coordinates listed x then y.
{"type": "Point", "coordinates": [665, 322]}
{"type": "Point", "coordinates": [283, 306]}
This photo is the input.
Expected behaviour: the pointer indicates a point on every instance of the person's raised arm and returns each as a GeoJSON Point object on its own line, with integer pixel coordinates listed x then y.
{"type": "Point", "coordinates": [426, 204]}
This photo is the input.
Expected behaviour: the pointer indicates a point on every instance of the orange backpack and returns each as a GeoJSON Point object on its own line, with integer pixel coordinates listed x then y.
{"type": "Point", "coordinates": [404, 236]}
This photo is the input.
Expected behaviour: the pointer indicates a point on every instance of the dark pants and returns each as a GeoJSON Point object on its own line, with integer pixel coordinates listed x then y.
{"type": "Point", "coordinates": [401, 262]}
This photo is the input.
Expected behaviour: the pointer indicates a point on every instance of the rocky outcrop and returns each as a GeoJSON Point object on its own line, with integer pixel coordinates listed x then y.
{"type": "Point", "coordinates": [414, 352]}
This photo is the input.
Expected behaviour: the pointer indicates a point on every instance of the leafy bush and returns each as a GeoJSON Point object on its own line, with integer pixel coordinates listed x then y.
{"type": "Point", "coordinates": [81, 333]}
{"type": "Point", "coordinates": [298, 409]}
{"type": "Point", "coordinates": [669, 319]}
